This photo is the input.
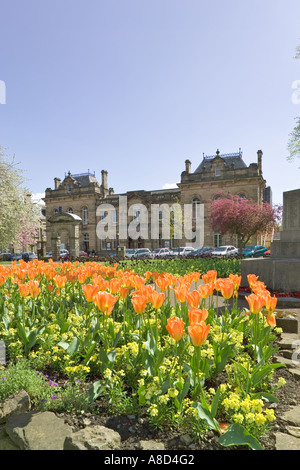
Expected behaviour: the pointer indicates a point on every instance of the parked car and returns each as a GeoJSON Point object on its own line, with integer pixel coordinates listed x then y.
{"type": "Point", "coordinates": [181, 251]}
{"type": "Point", "coordinates": [160, 252]}
{"type": "Point", "coordinates": [143, 253]}
{"type": "Point", "coordinates": [5, 256]}
{"type": "Point", "coordinates": [16, 256]}
{"type": "Point", "coordinates": [29, 256]}
{"type": "Point", "coordinates": [254, 251]}
{"type": "Point", "coordinates": [225, 251]}
{"type": "Point", "coordinates": [64, 254]}
{"type": "Point", "coordinates": [83, 253]}
{"type": "Point", "coordinates": [129, 252]}
{"type": "Point", "coordinates": [203, 252]}
{"type": "Point", "coordinates": [267, 253]}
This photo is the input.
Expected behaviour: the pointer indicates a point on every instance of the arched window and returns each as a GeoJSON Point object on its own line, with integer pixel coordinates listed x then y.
{"type": "Point", "coordinates": [70, 210]}
{"type": "Point", "coordinates": [85, 213]}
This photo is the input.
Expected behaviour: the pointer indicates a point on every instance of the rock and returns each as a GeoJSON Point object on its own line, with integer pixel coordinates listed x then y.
{"type": "Point", "coordinates": [93, 438]}
{"type": "Point", "coordinates": [7, 444]}
{"type": "Point", "coordinates": [293, 431]}
{"type": "Point", "coordinates": [151, 445]}
{"type": "Point", "coordinates": [186, 439]}
{"type": "Point", "coordinates": [292, 416]}
{"type": "Point", "coordinates": [37, 431]}
{"type": "Point", "coordinates": [287, 442]}
{"type": "Point", "coordinates": [17, 403]}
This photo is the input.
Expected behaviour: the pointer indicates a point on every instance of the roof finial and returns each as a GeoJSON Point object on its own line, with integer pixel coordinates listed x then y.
{"type": "Point", "coordinates": [218, 152]}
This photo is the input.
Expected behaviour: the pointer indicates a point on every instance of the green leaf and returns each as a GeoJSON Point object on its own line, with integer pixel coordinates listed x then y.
{"type": "Point", "coordinates": [73, 346]}
{"type": "Point", "coordinates": [215, 403]}
{"type": "Point", "coordinates": [95, 391]}
{"type": "Point", "coordinates": [265, 396]}
{"type": "Point", "coordinates": [141, 394]}
{"type": "Point", "coordinates": [237, 435]}
{"type": "Point", "coordinates": [205, 414]}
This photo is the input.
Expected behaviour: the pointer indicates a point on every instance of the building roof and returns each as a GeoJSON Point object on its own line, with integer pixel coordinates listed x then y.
{"type": "Point", "coordinates": [231, 160]}
{"type": "Point", "coordinates": [84, 179]}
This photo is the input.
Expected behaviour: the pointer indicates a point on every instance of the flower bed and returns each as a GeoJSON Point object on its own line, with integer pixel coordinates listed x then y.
{"type": "Point", "coordinates": [180, 363]}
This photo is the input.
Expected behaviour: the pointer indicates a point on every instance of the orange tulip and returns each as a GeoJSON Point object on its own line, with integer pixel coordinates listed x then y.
{"type": "Point", "coordinates": [162, 283]}
{"type": "Point", "coordinates": [198, 333]}
{"type": "Point", "coordinates": [196, 275]}
{"type": "Point", "coordinates": [227, 288]}
{"type": "Point", "coordinates": [256, 303]}
{"type": "Point", "coordinates": [24, 290]}
{"type": "Point", "coordinates": [209, 277]}
{"type": "Point", "coordinates": [60, 281]}
{"type": "Point", "coordinates": [271, 320]}
{"type": "Point", "coordinates": [206, 290]}
{"type": "Point", "coordinates": [175, 327]}
{"type": "Point", "coordinates": [217, 284]}
{"type": "Point", "coordinates": [236, 281]}
{"type": "Point", "coordinates": [139, 303]}
{"type": "Point", "coordinates": [114, 285]}
{"type": "Point", "coordinates": [258, 287]}
{"type": "Point", "coordinates": [2, 280]}
{"type": "Point", "coordinates": [157, 299]}
{"type": "Point", "coordinates": [251, 278]}
{"type": "Point", "coordinates": [181, 293]}
{"type": "Point", "coordinates": [105, 301]}
{"type": "Point", "coordinates": [270, 303]}
{"type": "Point", "coordinates": [123, 291]}
{"type": "Point", "coordinates": [81, 277]}
{"type": "Point", "coordinates": [196, 315]}
{"type": "Point", "coordinates": [89, 291]}
{"type": "Point", "coordinates": [34, 288]}
{"type": "Point", "coordinates": [193, 298]}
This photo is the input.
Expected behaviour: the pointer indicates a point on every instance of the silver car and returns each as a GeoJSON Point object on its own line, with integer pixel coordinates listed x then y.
{"type": "Point", "coordinates": [226, 251]}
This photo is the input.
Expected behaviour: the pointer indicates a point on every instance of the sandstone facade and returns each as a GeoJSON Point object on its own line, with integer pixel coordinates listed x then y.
{"type": "Point", "coordinates": [82, 194]}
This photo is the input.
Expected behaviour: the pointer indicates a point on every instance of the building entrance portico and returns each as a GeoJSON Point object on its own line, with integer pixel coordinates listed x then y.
{"type": "Point", "coordinates": [66, 225]}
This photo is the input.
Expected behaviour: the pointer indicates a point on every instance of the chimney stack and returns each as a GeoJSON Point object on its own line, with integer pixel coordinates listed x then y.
{"type": "Point", "coordinates": [104, 179]}
{"type": "Point", "coordinates": [57, 182]}
{"type": "Point", "coordinates": [188, 166]}
{"type": "Point", "coordinates": [259, 161]}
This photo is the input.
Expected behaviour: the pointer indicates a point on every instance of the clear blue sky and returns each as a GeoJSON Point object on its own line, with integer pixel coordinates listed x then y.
{"type": "Point", "coordinates": [137, 86]}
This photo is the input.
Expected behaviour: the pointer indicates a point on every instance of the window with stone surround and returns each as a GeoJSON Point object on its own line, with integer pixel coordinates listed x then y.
{"type": "Point", "coordinates": [85, 213]}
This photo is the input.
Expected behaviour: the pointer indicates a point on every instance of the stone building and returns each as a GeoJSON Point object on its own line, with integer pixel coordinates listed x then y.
{"type": "Point", "coordinates": [134, 211]}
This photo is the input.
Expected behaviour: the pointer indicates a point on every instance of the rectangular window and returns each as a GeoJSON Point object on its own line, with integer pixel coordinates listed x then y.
{"type": "Point", "coordinates": [217, 240]}
{"type": "Point", "coordinates": [115, 217]}
{"type": "Point", "coordinates": [218, 171]}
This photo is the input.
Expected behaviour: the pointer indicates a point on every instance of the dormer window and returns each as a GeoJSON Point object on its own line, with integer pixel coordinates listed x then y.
{"type": "Point", "coordinates": [69, 188]}
{"type": "Point", "coordinates": [217, 171]}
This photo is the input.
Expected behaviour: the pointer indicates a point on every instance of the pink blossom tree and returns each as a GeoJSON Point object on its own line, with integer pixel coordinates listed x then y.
{"type": "Point", "coordinates": [28, 234]}
{"type": "Point", "coordinates": [243, 217]}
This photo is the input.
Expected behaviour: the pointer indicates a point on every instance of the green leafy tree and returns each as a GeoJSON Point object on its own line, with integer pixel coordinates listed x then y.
{"type": "Point", "coordinates": [294, 137]}
{"type": "Point", "coordinates": [294, 142]}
